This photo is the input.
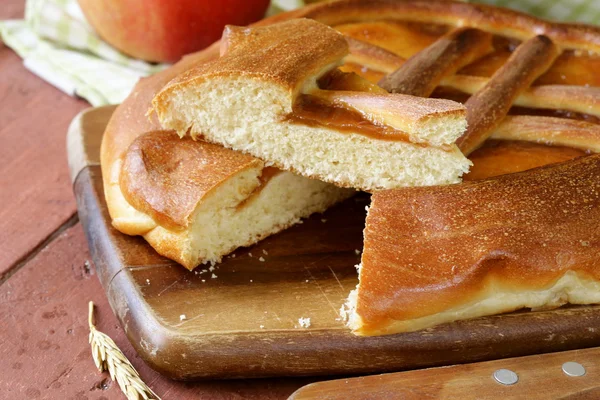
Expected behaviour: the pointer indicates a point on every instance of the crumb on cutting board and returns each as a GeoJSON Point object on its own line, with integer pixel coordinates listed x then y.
{"type": "Point", "coordinates": [182, 317]}
{"type": "Point", "coordinates": [304, 322]}
{"type": "Point", "coordinates": [261, 259]}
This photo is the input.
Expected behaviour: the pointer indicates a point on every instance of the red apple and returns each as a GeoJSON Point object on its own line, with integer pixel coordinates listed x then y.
{"type": "Point", "coordinates": [165, 30]}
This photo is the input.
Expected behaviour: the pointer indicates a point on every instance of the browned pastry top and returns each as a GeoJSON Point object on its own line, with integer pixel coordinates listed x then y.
{"type": "Point", "coordinates": [527, 239]}
{"type": "Point", "coordinates": [500, 157]}
{"type": "Point", "coordinates": [165, 176]}
{"type": "Point", "coordinates": [287, 53]}
{"type": "Point", "coordinates": [401, 37]}
{"type": "Point", "coordinates": [446, 56]}
{"type": "Point", "coordinates": [496, 20]}
{"type": "Point", "coordinates": [487, 108]}
{"type": "Point", "coordinates": [432, 245]}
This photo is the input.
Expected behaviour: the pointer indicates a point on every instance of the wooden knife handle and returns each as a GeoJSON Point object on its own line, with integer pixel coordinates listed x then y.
{"type": "Point", "coordinates": [539, 377]}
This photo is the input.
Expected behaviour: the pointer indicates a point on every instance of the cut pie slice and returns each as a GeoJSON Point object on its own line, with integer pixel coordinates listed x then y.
{"type": "Point", "coordinates": [446, 253]}
{"type": "Point", "coordinates": [268, 96]}
{"type": "Point", "coordinates": [194, 201]}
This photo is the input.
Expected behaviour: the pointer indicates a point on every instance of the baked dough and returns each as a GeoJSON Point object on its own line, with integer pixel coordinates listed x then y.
{"type": "Point", "coordinates": [193, 201]}
{"type": "Point", "coordinates": [253, 99]}
{"type": "Point", "coordinates": [445, 253]}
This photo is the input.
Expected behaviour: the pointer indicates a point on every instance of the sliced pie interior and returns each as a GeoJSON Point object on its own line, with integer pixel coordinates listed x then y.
{"type": "Point", "coordinates": [268, 96]}
{"type": "Point", "coordinates": [194, 201]}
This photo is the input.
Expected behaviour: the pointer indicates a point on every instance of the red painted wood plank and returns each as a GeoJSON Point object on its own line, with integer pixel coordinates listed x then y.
{"type": "Point", "coordinates": [12, 9]}
{"type": "Point", "coordinates": [43, 336]}
{"type": "Point", "coordinates": [35, 189]}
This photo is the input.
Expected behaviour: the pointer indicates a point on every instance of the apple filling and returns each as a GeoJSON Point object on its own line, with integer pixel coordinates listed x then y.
{"type": "Point", "coordinates": [314, 111]}
{"type": "Point", "coordinates": [349, 103]}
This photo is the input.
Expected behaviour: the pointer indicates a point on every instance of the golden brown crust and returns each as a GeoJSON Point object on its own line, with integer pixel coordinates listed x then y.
{"type": "Point", "coordinates": [367, 55]}
{"type": "Point", "coordinates": [500, 157]}
{"type": "Point", "coordinates": [287, 54]}
{"type": "Point", "coordinates": [487, 107]}
{"type": "Point", "coordinates": [585, 100]}
{"type": "Point", "coordinates": [428, 250]}
{"type": "Point", "coordinates": [501, 21]}
{"type": "Point", "coordinates": [582, 99]}
{"type": "Point", "coordinates": [130, 121]}
{"type": "Point", "coordinates": [422, 73]}
{"type": "Point", "coordinates": [232, 36]}
{"type": "Point", "coordinates": [166, 177]}
{"type": "Point", "coordinates": [553, 131]}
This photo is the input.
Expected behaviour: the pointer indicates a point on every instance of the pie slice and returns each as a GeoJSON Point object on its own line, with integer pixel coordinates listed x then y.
{"type": "Point", "coordinates": [446, 253]}
{"type": "Point", "coordinates": [194, 201]}
{"type": "Point", "coordinates": [270, 96]}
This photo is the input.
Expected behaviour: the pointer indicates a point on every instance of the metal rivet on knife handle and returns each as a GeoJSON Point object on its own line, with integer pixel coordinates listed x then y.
{"type": "Point", "coordinates": [506, 377]}
{"type": "Point", "coordinates": [573, 369]}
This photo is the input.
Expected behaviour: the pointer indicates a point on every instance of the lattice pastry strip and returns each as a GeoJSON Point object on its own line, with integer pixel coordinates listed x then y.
{"type": "Point", "coordinates": [488, 106]}
{"type": "Point", "coordinates": [422, 73]}
{"type": "Point", "coordinates": [435, 60]}
{"type": "Point", "coordinates": [379, 61]}
{"type": "Point", "coordinates": [498, 21]}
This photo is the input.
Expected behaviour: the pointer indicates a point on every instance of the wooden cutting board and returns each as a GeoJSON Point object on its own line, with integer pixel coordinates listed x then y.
{"type": "Point", "coordinates": [243, 322]}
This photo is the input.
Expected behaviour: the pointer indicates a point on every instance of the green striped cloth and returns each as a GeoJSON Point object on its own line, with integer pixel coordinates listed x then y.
{"type": "Point", "coordinates": [57, 44]}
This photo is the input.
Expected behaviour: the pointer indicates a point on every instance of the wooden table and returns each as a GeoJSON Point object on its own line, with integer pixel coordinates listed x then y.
{"type": "Point", "coordinates": [46, 278]}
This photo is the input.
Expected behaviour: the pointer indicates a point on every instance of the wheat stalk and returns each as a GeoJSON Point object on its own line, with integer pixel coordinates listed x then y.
{"type": "Point", "coordinates": [108, 357]}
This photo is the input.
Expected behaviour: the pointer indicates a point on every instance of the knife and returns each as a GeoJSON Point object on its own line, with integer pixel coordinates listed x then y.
{"type": "Point", "coordinates": [566, 375]}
